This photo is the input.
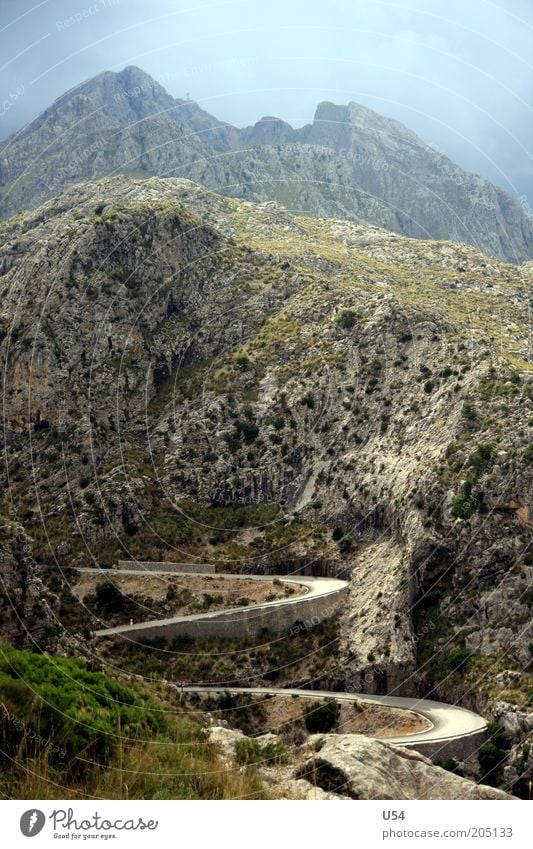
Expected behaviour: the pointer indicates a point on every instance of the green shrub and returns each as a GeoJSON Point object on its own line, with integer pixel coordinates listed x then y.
{"type": "Point", "coordinates": [252, 751]}
{"type": "Point", "coordinates": [462, 506]}
{"type": "Point", "coordinates": [243, 362]}
{"type": "Point", "coordinates": [308, 401]}
{"type": "Point", "coordinates": [458, 659]}
{"type": "Point", "coordinates": [109, 598]}
{"type": "Point", "coordinates": [347, 319]}
{"type": "Point", "coordinates": [491, 760]}
{"type": "Point", "coordinates": [322, 717]}
{"type": "Point", "coordinates": [481, 458]}
{"type": "Point", "coordinates": [451, 765]}
{"type": "Point", "coordinates": [58, 705]}
{"type": "Point", "coordinates": [345, 544]}
{"type": "Point", "coordinates": [469, 411]}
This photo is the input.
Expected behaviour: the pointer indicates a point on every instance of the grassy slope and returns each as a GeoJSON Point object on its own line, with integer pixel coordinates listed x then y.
{"type": "Point", "coordinates": [68, 732]}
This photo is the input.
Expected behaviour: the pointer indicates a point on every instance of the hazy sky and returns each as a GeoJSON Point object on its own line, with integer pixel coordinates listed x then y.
{"type": "Point", "coordinates": [458, 72]}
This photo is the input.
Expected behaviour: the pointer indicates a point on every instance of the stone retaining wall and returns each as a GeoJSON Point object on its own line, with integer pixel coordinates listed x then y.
{"type": "Point", "coordinates": [177, 568]}
{"type": "Point", "coordinates": [299, 614]}
{"type": "Point", "coordinates": [461, 748]}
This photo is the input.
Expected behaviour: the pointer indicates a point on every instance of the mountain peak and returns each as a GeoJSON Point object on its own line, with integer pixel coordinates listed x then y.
{"type": "Point", "coordinates": [269, 130]}
{"type": "Point", "coordinates": [328, 111]}
{"type": "Point", "coordinates": [356, 115]}
{"type": "Point", "coordinates": [351, 162]}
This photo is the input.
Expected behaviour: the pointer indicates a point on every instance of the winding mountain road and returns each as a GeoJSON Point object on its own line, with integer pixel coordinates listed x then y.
{"type": "Point", "coordinates": [454, 731]}
{"type": "Point", "coordinates": [449, 723]}
{"type": "Point", "coordinates": [311, 589]}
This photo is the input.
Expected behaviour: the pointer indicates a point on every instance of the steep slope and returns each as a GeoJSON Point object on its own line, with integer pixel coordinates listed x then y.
{"type": "Point", "coordinates": [349, 163]}
{"type": "Point", "coordinates": [115, 122]}
{"type": "Point", "coordinates": [437, 198]}
{"type": "Point", "coordinates": [194, 376]}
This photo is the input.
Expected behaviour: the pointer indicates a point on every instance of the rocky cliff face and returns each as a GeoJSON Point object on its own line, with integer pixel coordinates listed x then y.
{"type": "Point", "coordinates": [350, 163]}
{"type": "Point", "coordinates": [27, 615]}
{"type": "Point", "coordinates": [358, 768]}
{"type": "Point", "coordinates": [434, 198]}
{"type": "Point", "coordinates": [191, 375]}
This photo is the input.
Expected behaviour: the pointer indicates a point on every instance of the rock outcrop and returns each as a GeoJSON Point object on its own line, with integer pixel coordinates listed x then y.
{"type": "Point", "coordinates": [515, 728]}
{"type": "Point", "coordinates": [27, 617]}
{"type": "Point", "coordinates": [361, 768]}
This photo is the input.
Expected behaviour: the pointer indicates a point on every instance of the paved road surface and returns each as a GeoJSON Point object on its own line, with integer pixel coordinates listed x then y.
{"type": "Point", "coordinates": [309, 588]}
{"type": "Point", "coordinates": [448, 722]}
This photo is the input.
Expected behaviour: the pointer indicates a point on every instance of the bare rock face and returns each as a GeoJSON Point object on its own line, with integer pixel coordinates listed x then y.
{"type": "Point", "coordinates": [377, 631]}
{"type": "Point", "coordinates": [516, 726]}
{"type": "Point", "coordinates": [353, 766]}
{"type": "Point", "coordinates": [362, 768]}
{"type": "Point", "coordinates": [26, 617]}
{"type": "Point", "coordinates": [388, 159]}
{"type": "Point", "coordinates": [224, 739]}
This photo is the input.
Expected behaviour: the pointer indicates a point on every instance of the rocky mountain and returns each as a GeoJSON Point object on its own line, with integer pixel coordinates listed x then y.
{"type": "Point", "coordinates": [349, 163]}
{"type": "Point", "coordinates": [190, 375]}
{"type": "Point", "coordinates": [436, 198]}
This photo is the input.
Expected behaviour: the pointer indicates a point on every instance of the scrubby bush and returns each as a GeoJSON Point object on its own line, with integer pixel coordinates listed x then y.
{"type": "Point", "coordinates": [469, 411]}
{"type": "Point", "coordinates": [322, 717]}
{"type": "Point", "coordinates": [58, 705]}
{"type": "Point", "coordinates": [252, 751]}
{"type": "Point", "coordinates": [481, 458]}
{"type": "Point", "coordinates": [491, 760]}
{"type": "Point", "coordinates": [462, 506]}
{"type": "Point", "coordinates": [243, 362]}
{"type": "Point", "coordinates": [109, 598]}
{"type": "Point", "coordinates": [345, 544]}
{"type": "Point", "coordinates": [346, 319]}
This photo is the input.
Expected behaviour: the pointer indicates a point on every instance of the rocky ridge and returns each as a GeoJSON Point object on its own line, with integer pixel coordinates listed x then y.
{"type": "Point", "coordinates": [350, 163]}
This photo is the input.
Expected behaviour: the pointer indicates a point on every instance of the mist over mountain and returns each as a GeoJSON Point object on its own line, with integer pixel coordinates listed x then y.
{"type": "Point", "coordinates": [349, 163]}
